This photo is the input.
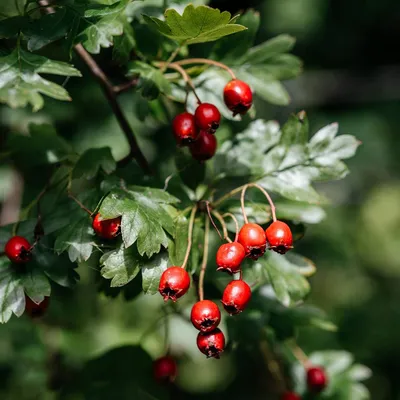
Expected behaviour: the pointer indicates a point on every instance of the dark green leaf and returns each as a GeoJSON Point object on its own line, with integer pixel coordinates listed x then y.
{"type": "Point", "coordinates": [36, 285]}
{"type": "Point", "coordinates": [191, 172]}
{"type": "Point", "coordinates": [92, 160]}
{"type": "Point", "coordinates": [177, 248]}
{"type": "Point", "coordinates": [196, 24]}
{"type": "Point", "coordinates": [21, 83]}
{"type": "Point", "coordinates": [152, 271]}
{"type": "Point", "coordinates": [295, 131]}
{"type": "Point", "coordinates": [10, 27]}
{"type": "Point", "coordinates": [124, 44]}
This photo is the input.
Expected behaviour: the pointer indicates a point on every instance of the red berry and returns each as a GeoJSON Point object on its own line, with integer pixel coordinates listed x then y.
{"type": "Point", "coordinates": [174, 283]}
{"type": "Point", "coordinates": [236, 296]}
{"type": "Point", "coordinates": [36, 310]}
{"type": "Point", "coordinates": [204, 147]}
{"type": "Point", "coordinates": [252, 238]}
{"type": "Point", "coordinates": [165, 369]}
{"type": "Point", "coordinates": [279, 237]}
{"type": "Point", "coordinates": [238, 96]}
{"type": "Point", "coordinates": [106, 228]}
{"type": "Point", "coordinates": [185, 129]}
{"type": "Point", "coordinates": [207, 117]}
{"type": "Point", "coordinates": [211, 344]}
{"type": "Point", "coordinates": [205, 315]}
{"type": "Point", "coordinates": [290, 396]}
{"type": "Point", "coordinates": [230, 256]}
{"type": "Point", "coordinates": [316, 379]}
{"type": "Point", "coordinates": [18, 250]}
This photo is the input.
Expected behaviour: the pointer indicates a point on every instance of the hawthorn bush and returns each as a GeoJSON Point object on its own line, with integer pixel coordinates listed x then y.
{"type": "Point", "coordinates": [210, 224]}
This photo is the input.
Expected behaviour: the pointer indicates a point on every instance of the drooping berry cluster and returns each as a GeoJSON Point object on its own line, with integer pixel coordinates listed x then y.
{"type": "Point", "coordinates": [197, 130]}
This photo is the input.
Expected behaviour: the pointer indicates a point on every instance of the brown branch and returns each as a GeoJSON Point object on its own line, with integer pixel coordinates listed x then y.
{"type": "Point", "coordinates": [123, 87]}
{"type": "Point", "coordinates": [111, 96]}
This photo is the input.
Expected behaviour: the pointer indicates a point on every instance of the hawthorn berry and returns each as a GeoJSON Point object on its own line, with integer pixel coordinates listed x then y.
{"type": "Point", "coordinates": [18, 250]}
{"type": "Point", "coordinates": [279, 237]}
{"type": "Point", "coordinates": [185, 129]}
{"type": "Point", "coordinates": [236, 296]}
{"type": "Point", "coordinates": [230, 256]}
{"type": "Point", "coordinates": [252, 238]}
{"type": "Point", "coordinates": [204, 147]}
{"type": "Point", "coordinates": [165, 369]}
{"type": "Point", "coordinates": [316, 379]}
{"type": "Point", "coordinates": [207, 117]}
{"type": "Point", "coordinates": [290, 396]}
{"type": "Point", "coordinates": [211, 344]}
{"type": "Point", "coordinates": [36, 310]}
{"type": "Point", "coordinates": [238, 96]}
{"type": "Point", "coordinates": [174, 283]}
{"type": "Point", "coordinates": [106, 228]}
{"type": "Point", "coordinates": [205, 315]}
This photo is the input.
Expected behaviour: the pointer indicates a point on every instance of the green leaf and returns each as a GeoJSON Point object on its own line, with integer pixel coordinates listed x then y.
{"type": "Point", "coordinates": [10, 27]}
{"type": "Point", "coordinates": [191, 172]}
{"type": "Point", "coordinates": [152, 81]}
{"type": "Point", "coordinates": [286, 279]}
{"type": "Point", "coordinates": [124, 44]}
{"type": "Point", "coordinates": [177, 248]}
{"type": "Point", "coordinates": [152, 271]}
{"type": "Point", "coordinates": [21, 83]}
{"type": "Point", "coordinates": [121, 265]}
{"type": "Point", "coordinates": [77, 238]}
{"type": "Point", "coordinates": [196, 24]}
{"type": "Point", "coordinates": [12, 298]}
{"type": "Point", "coordinates": [92, 160]}
{"type": "Point", "coordinates": [36, 285]}
{"type": "Point", "coordinates": [144, 220]}
{"type": "Point", "coordinates": [310, 316]}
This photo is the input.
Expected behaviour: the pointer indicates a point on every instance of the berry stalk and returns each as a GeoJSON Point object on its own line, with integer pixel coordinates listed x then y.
{"type": "Point", "coordinates": [190, 234]}
{"type": "Point", "coordinates": [236, 224]}
{"type": "Point", "coordinates": [205, 257]}
{"type": "Point", "coordinates": [189, 61]}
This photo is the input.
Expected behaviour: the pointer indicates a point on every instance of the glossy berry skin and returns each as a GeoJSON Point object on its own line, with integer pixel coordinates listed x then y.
{"type": "Point", "coordinates": [185, 129]}
{"type": "Point", "coordinates": [236, 296]}
{"type": "Point", "coordinates": [238, 96]}
{"type": "Point", "coordinates": [229, 257]}
{"type": "Point", "coordinates": [279, 237]}
{"type": "Point", "coordinates": [18, 250]}
{"type": "Point", "coordinates": [165, 369]}
{"type": "Point", "coordinates": [106, 228]}
{"type": "Point", "coordinates": [252, 237]}
{"type": "Point", "coordinates": [174, 283]}
{"type": "Point", "coordinates": [207, 117]}
{"type": "Point", "coordinates": [205, 315]}
{"type": "Point", "coordinates": [36, 310]}
{"type": "Point", "coordinates": [211, 344]}
{"type": "Point", "coordinates": [290, 396]}
{"type": "Point", "coordinates": [316, 379]}
{"type": "Point", "coordinates": [204, 147]}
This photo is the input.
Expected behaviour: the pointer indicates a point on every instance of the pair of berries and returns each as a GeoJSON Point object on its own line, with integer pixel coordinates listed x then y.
{"type": "Point", "coordinates": [197, 131]}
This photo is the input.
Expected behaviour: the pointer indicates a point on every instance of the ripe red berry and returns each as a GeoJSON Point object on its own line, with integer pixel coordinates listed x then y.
{"type": "Point", "coordinates": [238, 96]}
{"type": "Point", "coordinates": [205, 315]}
{"type": "Point", "coordinates": [165, 369]}
{"type": "Point", "coordinates": [230, 256]}
{"type": "Point", "coordinates": [36, 310]}
{"type": "Point", "coordinates": [211, 344]}
{"type": "Point", "coordinates": [236, 296]}
{"type": "Point", "coordinates": [174, 283]}
{"type": "Point", "coordinates": [185, 129]}
{"type": "Point", "coordinates": [204, 147]}
{"type": "Point", "coordinates": [290, 396]}
{"type": "Point", "coordinates": [207, 117]}
{"type": "Point", "coordinates": [18, 250]}
{"type": "Point", "coordinates": [316, 379]}
{"type": "Point", "coordinates": [279, 237]}
{"type": "Point", "coordinates": [252, 238]}
{"type": "Point", "coordinates": [106, 228]}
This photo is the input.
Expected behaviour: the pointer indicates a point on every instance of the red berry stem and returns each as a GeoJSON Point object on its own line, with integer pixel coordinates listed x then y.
{"type": "Point", "coordinates": [184, 74]}
{"type": "Point", "coordinates": [271, 203]}
{"type": "Point", "coordinates": [222, 222]}
{"type": "Point", "coordinates": [212, 220]}
{"type": "Point", "coordinates": [206, 61]}
{"type": "Point", "coordinates": [236, 224]}
{"type": "Point", "coordinates": [80, 204]}
{"type": "Point", "coordinates": [190, 234]}
{"type": "Point", "coordinates": [205, 257]}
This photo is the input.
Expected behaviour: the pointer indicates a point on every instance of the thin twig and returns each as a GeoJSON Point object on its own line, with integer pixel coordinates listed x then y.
{"type": "Point", "coordinates": [190, 233]}
{"type": "Point", "coordinates": [206, 61]}
{"type": "Point", "coordinates": [226, 196]}
{"type": "Point", "coordinates": [299, 354]}
{"type": "Point", "coordinates": [236, 223]}
{"type": "Point", "coordinates": [223, 225]}
{"type": "Point", "coordinates": [172, 57]}
{"type": "Point", "coordinates": [212, 220]}
{"type": "Point", "coordinates": [205, 258]}
{"type": "Point", "coordinates": [80, 204]}
{"type": "Point", "coordinates": [125, 86]}
{"type": "Point", "coordinates": [110, 94]}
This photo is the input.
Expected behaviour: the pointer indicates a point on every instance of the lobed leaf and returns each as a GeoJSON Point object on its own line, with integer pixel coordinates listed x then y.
{"type": "Point", "coordinates": [92, 160]}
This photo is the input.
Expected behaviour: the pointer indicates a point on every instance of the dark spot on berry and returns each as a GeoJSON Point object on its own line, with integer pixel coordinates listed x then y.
{"type": "Point", "coordinates": [256, 252]}
{"type": "Point", "coordinates": [212, 351]}
{"type": "Point", "coordinates": [168, 292]}
{"type": "Point", "coordinates": [280, 249]}
{"type": "Point", "coordinates": [207, 323]}
{"type": "Point", "coordinates": [25, 255]}
{"type": "Point", "coordinates": [231, 309]}
{"type": "Point", "coordinates": [213, 127]}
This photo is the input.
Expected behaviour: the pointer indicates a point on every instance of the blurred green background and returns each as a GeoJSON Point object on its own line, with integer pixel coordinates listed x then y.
{"type": "Point", "coordinates": [352, 76]}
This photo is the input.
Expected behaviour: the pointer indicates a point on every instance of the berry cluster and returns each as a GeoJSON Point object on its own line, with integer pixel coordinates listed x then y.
{"type": "Point", "coordinates": [19, 251]}
{"type": "Point", "coordinates": [197, 131]}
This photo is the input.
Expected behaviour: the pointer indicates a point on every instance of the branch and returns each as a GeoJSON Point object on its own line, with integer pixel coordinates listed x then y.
{"type": "Point", "coordinates": [111, 95]}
